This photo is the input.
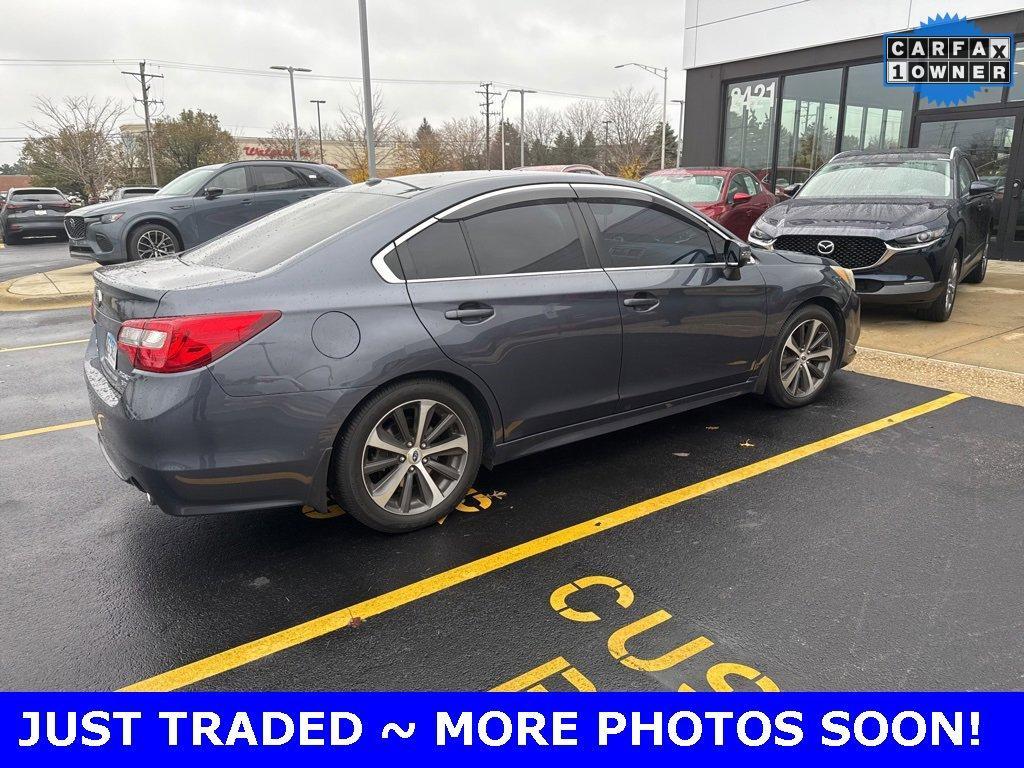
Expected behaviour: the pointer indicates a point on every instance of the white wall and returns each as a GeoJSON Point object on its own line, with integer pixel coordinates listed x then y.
{"type": "Point", "coordinates": [718, 31]}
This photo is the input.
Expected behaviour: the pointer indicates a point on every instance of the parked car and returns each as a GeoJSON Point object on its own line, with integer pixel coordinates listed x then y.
{"type": "Point", "coordinates": [911, 224]}
{"type": "Point", "coordinates": [574, 168]}
{"type": "Point", "coordinates": [730, 196]}
{"type": "Point", "coordinates": [31, 211]}
{"type": "Point", "coordinates": [125, 193]}
{"type": "Point", "coordinates": [193, 208]}
{"type": "Point", "coordinates": [382, 340]}
{"type": "Point", "coordinates": [785, 177]}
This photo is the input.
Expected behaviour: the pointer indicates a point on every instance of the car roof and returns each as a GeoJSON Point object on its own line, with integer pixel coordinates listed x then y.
{"type": "Point", "coordinates": [894, 155]}
{"type": "Point", "coordinates": [703, 170]}
{"type": "Point", "coordinates": [478, 182]}
{"type": "Point", "coordinates": [34, 189]}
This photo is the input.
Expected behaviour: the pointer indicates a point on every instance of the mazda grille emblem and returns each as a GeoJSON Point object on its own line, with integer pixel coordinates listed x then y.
{"type": "Point", "coordinates": [826, 247]}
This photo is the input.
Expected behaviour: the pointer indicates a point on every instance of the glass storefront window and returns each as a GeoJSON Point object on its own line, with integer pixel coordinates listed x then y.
{"type": "Point", "coordinates": [808, 123]}
{"type": "Point", "coordinates": [1017, 91]}
{"type": "Point", "coordinates": [750, 124]}
{"type": "Point", "coordinates": [875, 117]}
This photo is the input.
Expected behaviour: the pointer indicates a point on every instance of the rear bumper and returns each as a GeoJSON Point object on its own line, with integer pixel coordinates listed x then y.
{"type": "Point", "coordinates": [196, 450]}
{"type": "Point", "coordinates": [31, 227]}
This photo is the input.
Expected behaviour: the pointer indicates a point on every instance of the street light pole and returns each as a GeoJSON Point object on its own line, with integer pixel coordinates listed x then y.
{"type": "Point", "coordinates": [504, 96]}
{"type": "Point", "coordinates": [364, 47]}
{"type": "Point", "coordinates": [319, 129]}
{"type": "Point", "coordinates": [522, 120]}
{"type": "Point", "coordinates": [661, 72]}
{"type": "Point", "coordinates": [679, 134]}
{"type": "Point", "coordinates": [607, 159]}
{"type": "Point", "coordinates": [295, 111]}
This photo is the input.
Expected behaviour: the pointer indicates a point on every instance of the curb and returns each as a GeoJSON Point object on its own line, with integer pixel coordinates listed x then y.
{"type": "Point", "coordinates": [13, 301]}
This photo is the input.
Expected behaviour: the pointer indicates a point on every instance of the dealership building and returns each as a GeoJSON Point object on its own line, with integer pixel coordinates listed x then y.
{"type": "Point", "coordinates": [779, 87]}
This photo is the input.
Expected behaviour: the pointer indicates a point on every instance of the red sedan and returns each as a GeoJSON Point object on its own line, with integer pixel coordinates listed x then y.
{"type": "Point", "coordinates": [731, 196]}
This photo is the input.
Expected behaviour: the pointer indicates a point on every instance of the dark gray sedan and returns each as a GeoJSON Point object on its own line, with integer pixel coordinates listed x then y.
{"type": "Point", "coordinates": [195, 207]}
{"type": "Point", "coordinates": [379, 342]}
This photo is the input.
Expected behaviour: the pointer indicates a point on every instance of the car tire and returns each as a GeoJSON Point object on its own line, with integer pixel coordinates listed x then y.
{"type": "Point", "coordinates": [151, 241]}
{"type": "Point", "coordinates": [977, 274]}
{"type": "Point", "coordinates": [11, 239]}
{"type": "Point", "coordinates": [805, 357]}
{"type": "Point", "coordinates": [387, 478]}
{"type": "Point", "coordinates": [940, 309]}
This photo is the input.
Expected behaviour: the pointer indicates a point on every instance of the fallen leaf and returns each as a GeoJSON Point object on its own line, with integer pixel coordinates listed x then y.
{"type": "Point", "coordinates": [711, 428]}
{"type": "Point", "coordinates": [746, 444]}
{"type": "Point", "coordinates": [354, 622]}
{"type": "Point", "coordinates": [681, 455]}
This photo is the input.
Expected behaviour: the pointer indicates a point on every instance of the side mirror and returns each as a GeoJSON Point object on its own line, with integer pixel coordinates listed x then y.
{"type": "Point", "coordinates": [737, 255]}
{"type": "Point", "coordinates": [981, 188]}
{"type": "Point", "coordinates": [791, 190]}
{"type": "Point", "coordinates": [736, 198]}
{"type": "Point", "coordinates": [212, 193]}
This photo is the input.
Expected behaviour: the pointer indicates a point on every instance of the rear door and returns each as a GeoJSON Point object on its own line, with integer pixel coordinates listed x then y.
{"type": "Point", "coordinates": [509, 289]}
{"type": "Point", "coordinates": [231, 209]}
{"type": "Point", "coordinates": [275, 186]}
{"type": "Point", "coordinates": [689, 324]}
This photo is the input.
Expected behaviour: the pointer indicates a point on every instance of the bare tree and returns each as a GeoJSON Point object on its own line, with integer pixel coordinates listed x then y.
{"type": "Point", "coordinates": [542, 124]}
{"type": "Point", "coordinates": [462, 143]}
{"type": "Point", "coordinates": [74, 143]}
{"type": "Point", "coordinates": [633, 116]}
{"type": "Point", "coordinates": [582, 116]}
{"type": "Point", "coordinates": [392, 144]}
{"type": "Point", "coordinates": [281, 143]}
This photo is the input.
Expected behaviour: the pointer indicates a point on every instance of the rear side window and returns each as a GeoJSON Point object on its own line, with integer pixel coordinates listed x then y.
{"type": "Point", "coordinates": [438, 251]}
{"type": "Point", "coordinates": [528, 238]}
{"type": "Point", "coordinates": [272, 178]}
{"type": "Point", "coordinates": [637, 235]}
{"type": "Point", "coordinates": [313, 177]}
{"type": "Point", "coordinates": [276, 237]}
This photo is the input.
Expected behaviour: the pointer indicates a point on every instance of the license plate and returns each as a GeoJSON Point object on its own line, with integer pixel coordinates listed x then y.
{"type": "Point", "coordinates": [110, 352]}
{"type": "Point", "coordinates": [40, 213]}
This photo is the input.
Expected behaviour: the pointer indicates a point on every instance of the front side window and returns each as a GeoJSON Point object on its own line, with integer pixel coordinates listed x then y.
{"type": "Point", "coordinates": [272, 178]}
{"type": "Point", "coordinates": [690, 188]}
{"type": "Point", "coordinates": [907, 178]}
{"type": "Point", "coordinates": [232, 181]}
{"type": "Point", "coordinates": [965, 175]}
{"type": "Point", "coordinates": [188, 182]}
{"type": "Point", "coordinates": [438, 251]}
{"type": "Point", "coordinates": [638, 235]}
{"type": "Point", "coordinates": [750, 185]}
{"type": "Point", "coordinates": [526, 238]}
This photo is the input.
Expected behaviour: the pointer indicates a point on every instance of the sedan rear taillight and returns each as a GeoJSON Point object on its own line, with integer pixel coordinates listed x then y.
{"type": "Point", "coordinates": [176, 344]}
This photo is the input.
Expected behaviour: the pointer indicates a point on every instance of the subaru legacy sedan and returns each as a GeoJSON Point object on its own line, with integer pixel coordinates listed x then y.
{"type": "Point", "coordinates": [195, 207]}
{"type": "Point", "coordinates": [377, 343]}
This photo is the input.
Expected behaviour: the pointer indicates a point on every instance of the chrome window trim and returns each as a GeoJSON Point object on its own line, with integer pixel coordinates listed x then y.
{"type": "Point", "coordinates": [416, 230]}
{"type": "Point", "coordinates": [718, 264]}
{"type": "Point", "coordinates": [505, 274]}
{"type": "Point", "coordinates": [382, 268]}
{"type": "Point", "coordinates": [553, 188]}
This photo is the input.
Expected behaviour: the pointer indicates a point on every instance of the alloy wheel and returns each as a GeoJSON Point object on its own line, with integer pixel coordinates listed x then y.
{"type": "Point", "coordinates": [414, 457]}
{"type": "Point", "coordinates": [954, 273]}
{"type": "Point", "coordinates": [806, 358]}
{"type": "Point", "coordinates": [154, 243]}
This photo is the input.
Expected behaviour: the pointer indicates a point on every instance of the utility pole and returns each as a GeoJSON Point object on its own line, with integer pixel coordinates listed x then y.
{"type": "Point", "coordinates": [679, 134]}
{"type": "Point", "coordinates": [295, 111]}
{"type": "Point", "coordinates": [364, 48]}
{"type": "Point", "coordinates": [486, 93]}
{"type": "Point", "coordinates": [144, 79]}
{"type": "Point", "coordinates": [607, 159]}
{"type": "Point", "coordinates": [319, 129]}
{"type": "Point", "coordinates": [522, 121]}
{"type": "Point", "coordinates": [504, 96]}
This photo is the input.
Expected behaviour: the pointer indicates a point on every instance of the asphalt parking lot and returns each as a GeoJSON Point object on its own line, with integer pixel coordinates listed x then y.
{"type": "Point", "coordinates": [871, 541]}
{"type": "Point", "coordinates": [35, 254]}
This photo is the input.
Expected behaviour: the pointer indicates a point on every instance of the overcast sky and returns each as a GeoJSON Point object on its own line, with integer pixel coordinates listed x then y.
{"type": "Point", "coordinates": [556, 45]}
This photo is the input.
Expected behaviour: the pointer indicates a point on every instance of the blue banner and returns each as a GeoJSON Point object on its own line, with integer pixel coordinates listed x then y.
{"type": "Point", "coordinates": [227, 729]}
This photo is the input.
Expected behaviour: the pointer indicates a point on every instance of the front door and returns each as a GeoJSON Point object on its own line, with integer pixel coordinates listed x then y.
{"type": "Point", "coordinates": [525, 307]}
{"type": "Point", "coordinates": [689, 325]}
{"type": "Point", "coordinates": [232, 208]}
{"type": "Point", "coordinates": [992, 140]}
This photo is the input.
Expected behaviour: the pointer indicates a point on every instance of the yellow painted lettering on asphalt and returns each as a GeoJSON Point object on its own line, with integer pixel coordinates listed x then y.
{"type": "Point", "coordinates": [619, 638]}
{"type": "Point", "coordinates": [716, 677]}
{"type": "Point", "coordinates": [533, 680]}
{"type": "Point", "coordinates": [558, 597]}
{"type": "Point", "coordinates": [262, 647]}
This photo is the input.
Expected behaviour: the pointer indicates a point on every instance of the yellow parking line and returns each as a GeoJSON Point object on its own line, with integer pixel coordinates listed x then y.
{"type": "Point", "coordinates": [322, 625]}
{"type": "Point", "coordinates": [43, 346]}
{"type": "Point", "coordinates": [44, 430]}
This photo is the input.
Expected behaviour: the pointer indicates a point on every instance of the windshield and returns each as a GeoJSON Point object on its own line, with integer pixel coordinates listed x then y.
{"type": "Point", "coordinates": [705, 188]}
{"type": "Point", "coordinates": [189, 182]}
{"type": "Point", "coordinates": [278, 236]}
{"type": "Point", "coordinates": [909, 178]}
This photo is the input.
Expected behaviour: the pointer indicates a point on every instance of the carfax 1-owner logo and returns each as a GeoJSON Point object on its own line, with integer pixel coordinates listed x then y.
{"type": "Point", "coordinates": [948, 59]}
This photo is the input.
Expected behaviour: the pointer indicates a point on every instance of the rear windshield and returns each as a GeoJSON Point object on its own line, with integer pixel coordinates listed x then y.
{"type": "Point", "coordinates": [37, 195]}
{"type": "Point", "coordinates": [908, 178]}
{"type": "Point", "coordinates": [277, 237]}
{"type": "Point", "coordinates": [705, 188]}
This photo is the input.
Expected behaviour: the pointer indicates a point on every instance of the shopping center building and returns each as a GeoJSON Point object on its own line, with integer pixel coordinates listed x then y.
{"type": "Point", "coordinates": [779, 87]}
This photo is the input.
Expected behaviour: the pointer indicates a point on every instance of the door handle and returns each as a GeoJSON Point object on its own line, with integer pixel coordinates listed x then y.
{"type": "Point", "coordinates": [642, 302]}
{"type": "Point", "coordinates": [246, 201]}
{"type": "Point", "coordinates": [470, 313]}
